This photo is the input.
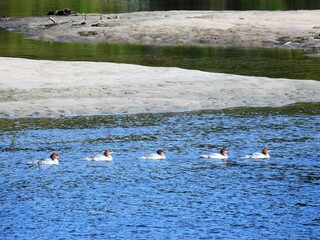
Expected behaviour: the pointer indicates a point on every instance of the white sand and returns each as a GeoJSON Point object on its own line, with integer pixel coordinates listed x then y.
{"type": "Point", "coordinates": [286, 29]}
{"type": "Point", "coordinates": [40, 88]}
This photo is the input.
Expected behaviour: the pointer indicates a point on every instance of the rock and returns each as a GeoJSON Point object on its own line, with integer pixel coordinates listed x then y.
{"type": "Point", "coordinates": [5, 19]}
{"type": "Point", "coordinates": [50, 25]}
{"type": "Point", "coordinates": [287, 39]}
{"type": "Point", "coordinates": [87, 33]}
{"type": "Point", "coordinates": [300, 39]}
{"type": "Point", "coordinates": [97, 25]}
{"type": "Point", "coordinates": [284, 39]}
{"type": "Point", "coordinates": [78, 24]}
{"type": "Point", "coordinates": [63, 12]}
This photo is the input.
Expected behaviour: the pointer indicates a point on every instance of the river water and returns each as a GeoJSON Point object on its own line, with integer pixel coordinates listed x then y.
{"type": "Point", "coordinates": [183, 197]}
{"type": "Point", "coordinates": [276, 63]}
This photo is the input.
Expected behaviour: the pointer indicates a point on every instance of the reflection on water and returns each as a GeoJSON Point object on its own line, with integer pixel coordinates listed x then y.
{"type": "Point", "coordinates": [35, 7]}
{"type": "Point", "coordinates": [276, 63]}
{"type": "Point", "coordinates": [183, 197]}
{"type": "Point", "coordinates": [257, 62]}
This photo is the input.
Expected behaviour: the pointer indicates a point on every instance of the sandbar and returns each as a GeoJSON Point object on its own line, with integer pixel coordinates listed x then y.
{"type": "Point", "coordinates": [283, 29]}
{"type": "Point", "coordinates": [42, 88]}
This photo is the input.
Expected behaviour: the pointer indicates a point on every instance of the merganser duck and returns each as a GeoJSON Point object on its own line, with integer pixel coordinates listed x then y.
{"type": "Point", "coordinates": [105, 157]}
{"type": "Point", "coordinates": [154, 156]}
{"type": "Point", "coordinates": [221, 155]}
{"type": "Point", "coordinates": [263, 154]}
{"type": "Point", "coordinates": [53, 160]}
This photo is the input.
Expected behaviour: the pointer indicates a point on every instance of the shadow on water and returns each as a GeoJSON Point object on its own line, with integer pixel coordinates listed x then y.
{"type": "Point", "coordinates": [277, 63]}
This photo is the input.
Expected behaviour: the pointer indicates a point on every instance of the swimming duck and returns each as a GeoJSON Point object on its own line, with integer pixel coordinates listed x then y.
{"type": "Point", "coordinates": [105, 157]}
{"type": "Point", "coordinates": [53, 160]}
{"type": "Point", "coordinates": [154, 156]}
{"type": "Point", "coordinates": [263, 154]}
{"type": "Point", "coordinates": [221, 155]}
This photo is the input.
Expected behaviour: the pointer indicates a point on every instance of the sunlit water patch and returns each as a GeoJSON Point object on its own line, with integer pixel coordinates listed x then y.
{"type": "Point", "coordinates": [183, 197]}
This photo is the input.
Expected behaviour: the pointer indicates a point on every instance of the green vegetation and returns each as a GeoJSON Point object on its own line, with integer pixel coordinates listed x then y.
{"type": "Point", "coordinates": [37, 7]}
{"type": "Point", "coordinates": [134, 120]}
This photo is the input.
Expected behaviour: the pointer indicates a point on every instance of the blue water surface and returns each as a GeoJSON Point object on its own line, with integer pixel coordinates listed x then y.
{"type": "Point", "coordinates": [183, 197]}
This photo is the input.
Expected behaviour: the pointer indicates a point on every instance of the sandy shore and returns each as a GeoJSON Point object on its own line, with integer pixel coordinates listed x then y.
{"type": "Point", "coordinates": [285, 29]}
{"type": "Point", "coordinates": [38, 88]}
{"type": "Point", "coordinates": [30, 88]}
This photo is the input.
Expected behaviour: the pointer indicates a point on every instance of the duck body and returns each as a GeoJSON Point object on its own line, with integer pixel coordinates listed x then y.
{"type": "Point", "coordinates": [221, 155]}
{"type": "Point", "coordinates": [53, 160]}
{"type": "Point", "coordinates": [45, 161]}
{"type": "Point", "coordinates": [215, 156]}
{"type": "Point", "coordinates": [264, 154]}
{"type": "Point", "coordinates": [258, 155]}
{"type": "Point", "coordinates": [99, 158]}
{"type": "Point", "coordinates": [154, 156]}
{"type": "Point", "coordinates": [106, 156]}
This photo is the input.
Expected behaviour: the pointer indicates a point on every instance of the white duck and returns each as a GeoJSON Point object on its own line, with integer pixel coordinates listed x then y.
{"type": "Point", "coordinates": [264, 154]}
{"type": "Point", "coordinates": [53, 160]}
{"type": "Point", "coordinates": [154, 156]}
{"type": "Point", "coordinates": [105, 157]}
{"type": "Point", "coordinates": [221, 155]}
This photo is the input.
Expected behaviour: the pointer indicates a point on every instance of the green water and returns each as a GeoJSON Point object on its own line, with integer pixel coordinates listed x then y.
{"type": "Point", "coordinates": [149, 119]}
{"type": "Point", "coordinates": [277, 63]}
{"type": "Point", "coordinates": [36, 7]}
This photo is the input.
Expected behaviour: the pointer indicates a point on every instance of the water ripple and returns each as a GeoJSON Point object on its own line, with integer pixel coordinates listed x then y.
{"type": "Point", "coordinates": [183, 197]}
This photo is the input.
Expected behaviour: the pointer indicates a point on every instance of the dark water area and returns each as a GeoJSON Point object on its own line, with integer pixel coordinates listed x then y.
{"type": "Point", "coordinates": [183, 197]}
{"type": "Point", "coordinates": [277, 63]}
{"type": "Point", "coordinates": [35, 7]}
